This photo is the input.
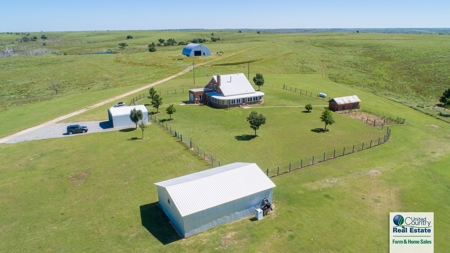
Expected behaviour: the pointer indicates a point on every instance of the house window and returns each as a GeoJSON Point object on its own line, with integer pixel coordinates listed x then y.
{"type": "Point", "coordinates": [235, 101]}
{"type": "Point", "coordinates": [214, 100]}
{"type": "Point", "coordinates": [215, 86]}
{"type": "Point", "coordinates": [200, 97]}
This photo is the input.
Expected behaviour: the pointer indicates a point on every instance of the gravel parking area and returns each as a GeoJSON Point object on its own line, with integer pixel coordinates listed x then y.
{"type": "Point", "coordinates": [59, 131]}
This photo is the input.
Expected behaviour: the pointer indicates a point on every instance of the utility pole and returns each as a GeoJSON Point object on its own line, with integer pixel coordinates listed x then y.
{"type": "Point", "coordinates": [193, 68]}
{"type": "Point", "coordinates": [248, 73]}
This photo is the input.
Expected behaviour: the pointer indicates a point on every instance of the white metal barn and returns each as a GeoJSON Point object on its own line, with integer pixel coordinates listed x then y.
{"type": "Point", "coordinates": [193, 49]}
{"type": "Point", "coordinates": [120, 116]}
{"type": "Point", "coordinates": [206, 199]}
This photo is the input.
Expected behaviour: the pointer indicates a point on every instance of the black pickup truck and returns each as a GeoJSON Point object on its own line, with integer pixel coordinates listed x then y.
{"type": "Point", "coordinates": [74, 129]}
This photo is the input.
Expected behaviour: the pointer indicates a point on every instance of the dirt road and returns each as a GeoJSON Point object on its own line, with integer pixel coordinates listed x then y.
{"type": "Point", "coordinates": [51, 122]}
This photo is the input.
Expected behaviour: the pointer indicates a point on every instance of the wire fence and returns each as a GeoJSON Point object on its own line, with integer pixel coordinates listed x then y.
{"type": "Point", "coordinates": [302, 92]}
{"type": "Point", "coordinates": [197, 149]}
{"type": "Point", "coordinates": [329, 154]}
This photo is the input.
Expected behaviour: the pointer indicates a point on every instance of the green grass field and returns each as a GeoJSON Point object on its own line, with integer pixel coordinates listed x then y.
{"type": "Point", "coordinates": [96, 193]}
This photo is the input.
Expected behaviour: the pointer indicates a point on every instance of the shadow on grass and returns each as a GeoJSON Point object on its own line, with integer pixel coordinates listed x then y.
{"type": "Point", "coordinates": [134, 139]}
{"type": "Point", "coordinates": [244, 137]}
{"type": "Point", "coordinates": [320, 130]}
{"type": "Point", "coordinates": [306, 111]}
{"type": "Point", "coordinates": [157, 223]}
{"type": "Point", "coordinates": [126, 130]}
{"type": "Point", "coordinates": [253, 219]}
{"type": "Point", "coordinates": [164, 120]}
{"type": "Point", "coordinates": [105, 124]}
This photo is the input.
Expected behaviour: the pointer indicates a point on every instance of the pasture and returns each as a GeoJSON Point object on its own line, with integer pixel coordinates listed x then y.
{"type": "Point", "coordinates": [95, 192]}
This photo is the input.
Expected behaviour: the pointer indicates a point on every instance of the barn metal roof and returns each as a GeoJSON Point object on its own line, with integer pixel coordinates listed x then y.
{"type": "Point", "coordinates": [346, 100]}
{"type": "Point", "coordinates": [235, 84]}
{"type": "Point", "coordinates": [202, 190]}
{"type": "Point", "coordinates": [125, 110]}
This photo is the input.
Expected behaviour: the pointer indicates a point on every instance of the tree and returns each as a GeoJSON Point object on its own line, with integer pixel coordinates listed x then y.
{"type": "Point", "coordinates": [142, 126]}
{"type": "Point", "coordinates": [152, 47]}
{"type": "Point", "coordinates": [135, 116]}
{"type": "Point", "coordinates": [256, 120]}
{"type": "Point", "coordinates": [152, 93]}
{"type": "Point", "coordinates": [258, 32]}
{"type": "Point", "coordinates": [327, 118]}
{"type": "Point", "coordinates": [171, 42]}
{"type": "Point", "coordinates": [156, 101]}
{"type": "Point", "coordinates": [129, 37]}
{"type": "Point", "coordinates": [54, 86]}
{"type": "Point", "coordinates": [123, 45]}
{"type": "Point", "coordinates": [161, 41]}
{"type": "Point", "coordinates": [308, 107]}
{"type": "Point", "coordinates": [445, 99]}
{"type": "Point", "coordinates": [43, 37]}
{"type": "Point", "coordinates": [171, 110]}
{"type": "Point", "coordinates": [259, 80]}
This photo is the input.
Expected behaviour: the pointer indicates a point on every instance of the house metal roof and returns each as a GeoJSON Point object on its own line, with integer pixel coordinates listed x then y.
{"type": "Point", "coordinates": [346, 100]}
{"type": "Point", "coordinates": [235, 84]}
{"type": "Point", "coordinates": [125, 110]}
{"type": "Point", "coordinates": [202, 190]}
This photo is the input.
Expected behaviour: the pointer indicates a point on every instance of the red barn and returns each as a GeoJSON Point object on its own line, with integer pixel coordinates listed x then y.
{"type": "Point", "coordinates": [344, 103]}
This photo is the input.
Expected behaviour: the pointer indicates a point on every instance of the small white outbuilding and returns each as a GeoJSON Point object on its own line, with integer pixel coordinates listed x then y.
{"type": "Point", "coordinates": [206, 199]}
{"type": "Point", "coordinates": [120, 116]}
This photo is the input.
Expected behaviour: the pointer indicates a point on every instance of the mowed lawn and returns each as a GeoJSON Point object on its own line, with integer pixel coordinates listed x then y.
{"type": "Point", "coordinates": [95, 192]}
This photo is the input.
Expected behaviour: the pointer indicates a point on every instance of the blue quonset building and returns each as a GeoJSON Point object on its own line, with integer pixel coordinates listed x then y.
{"type": "Point", "coordinates": [193, 49]}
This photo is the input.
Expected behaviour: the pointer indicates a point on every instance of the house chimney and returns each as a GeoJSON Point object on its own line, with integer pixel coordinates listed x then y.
{"type": "Point", "coordinates": [218, 80]}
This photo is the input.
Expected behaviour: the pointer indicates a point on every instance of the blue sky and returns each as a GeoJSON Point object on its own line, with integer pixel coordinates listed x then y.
{"type": "Point", "coordinates": [82, 15]}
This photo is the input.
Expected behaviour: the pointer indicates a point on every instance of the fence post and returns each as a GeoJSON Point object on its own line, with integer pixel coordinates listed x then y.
{"type": "Point", "coordinates": [378, 140]}
{"type": "Point", "coordinates": [324, 156]}
{"type": "Point", "coordinates": [212, 160]}
{"type": "Point", "coordinates": [267, 173]}
{"type": "Point", "coordinates": [181, 137]}
{"type": "Point", "coordinates": [370, 144]}
{"type": "Point", "coordinates": [343, 151]}
{"type": "Point", "coordinates": [204, 154]}
{"type": "Point", "coordinates": [301, 92]}
{"type": "Point", "coordinates": [334, 154]}
{"type": "Point", "coordinates": [362, 146]}
{"type": "Point", "coordinates": [313, 160]}
{"type": "Point", "coordinates": [301, 163]}
{"type": "Point", "coordinates": [218, 162]}
{"type": "Point", "coordinates": [278, 170]}
{"type": "Point", "coordinates": [353, 151]}
{"type": "Point", "coordinates": [290, 166]}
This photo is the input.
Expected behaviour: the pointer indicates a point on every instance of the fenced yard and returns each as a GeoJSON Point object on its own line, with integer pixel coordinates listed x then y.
{"type": "Point", "coordinates": [305, 157]}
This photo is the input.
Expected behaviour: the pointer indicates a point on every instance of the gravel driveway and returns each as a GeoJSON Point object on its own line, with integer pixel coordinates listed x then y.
{"type": "Point", "coordinates": [59, 131]}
